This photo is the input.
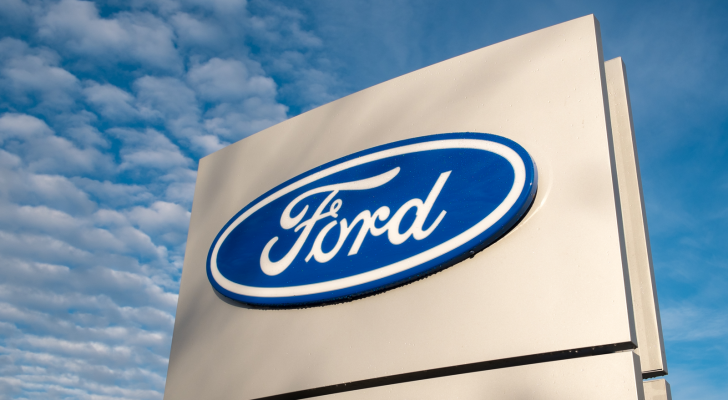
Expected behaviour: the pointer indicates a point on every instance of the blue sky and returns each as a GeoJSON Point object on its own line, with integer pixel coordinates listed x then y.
{"type": "Point", "coordinates": [105, 109]}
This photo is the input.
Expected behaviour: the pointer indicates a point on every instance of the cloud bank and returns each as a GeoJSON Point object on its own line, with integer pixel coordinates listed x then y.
{"type": "Point", "coordinates": [104, 111]}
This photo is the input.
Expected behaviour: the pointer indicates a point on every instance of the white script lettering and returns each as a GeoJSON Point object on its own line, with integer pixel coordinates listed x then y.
{"type": "Point", "coordinates": [366, 218]}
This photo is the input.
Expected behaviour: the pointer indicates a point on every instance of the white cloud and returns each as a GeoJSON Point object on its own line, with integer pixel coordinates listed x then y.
{"type": "Point", "coordinates": [69, 377]}
{"type": "Point", "coordinates": [228, 80]}
{"type": "Point", "coordinates": [236, 121]}
{"type": "Point", "coordinates": [177, 106]}
{"type": "Point", "coordinates": [245, 101]}
{"type": "Point", "coordinates": [22, 126]}
{"type": "Point", "coordinates": [54, 289]}
{"type": "Point", "coordinates": [33, 73]}
{"type": "Point", "coordinates": [79, 128]}
{"type": "Point", "coordinates": [149, 149]}
{"type": "Point", "coordinates": [45, 152]}
{"type": "Point", "coordinates": [136, 37]}
{"type": "Point", "coordinates": [9, 161]}
{"type": "Point", "coordinates": [167, 220]}
{"type": "Point", "coordinates": [180, 192]}
{"type": "Point", "coordinates": [169, 96]}
{"type": "Point", "coordinates": [41, 248]}
{"type": "Point", "coordinates": [58, 155]}
{"type": "Point", "coordinates": [153, 158]}
{"type": "Point", "coordinates": [26, 73]}
{"type": "Point", "coordinates": [58, 192]}
{"type": "Point", "coordinates": [195, 32]}
{"type": "Point", "coordinates": [51, 326]}
{"type": "Point", "coordinates": [114, 194]}
{"type": "Point", "coordinates": [282, 27]}
{"type": "Point", "coordinates": [111, 101]}
{"type": "Point", "coordinates": [220, 7]}
{"type": "Point", "coordinates": [78, 233]}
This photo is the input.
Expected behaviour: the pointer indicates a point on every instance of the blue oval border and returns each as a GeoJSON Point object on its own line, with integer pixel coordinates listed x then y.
{"type": "Point", "coordinates": [514, 215]}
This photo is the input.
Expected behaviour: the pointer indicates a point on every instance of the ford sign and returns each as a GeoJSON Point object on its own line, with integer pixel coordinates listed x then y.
{"type": "Point", "coordinates": [373, 220]}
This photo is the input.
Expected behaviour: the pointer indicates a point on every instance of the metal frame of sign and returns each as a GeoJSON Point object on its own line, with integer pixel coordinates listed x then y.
{"type": "Point", "coordinates": [651, 347]}
{"type": "Point", "coordinates": [374, 278]}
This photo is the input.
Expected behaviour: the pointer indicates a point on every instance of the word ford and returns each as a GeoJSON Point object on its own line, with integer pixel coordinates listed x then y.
{"type": "Point", "coordinates": [367, 219]}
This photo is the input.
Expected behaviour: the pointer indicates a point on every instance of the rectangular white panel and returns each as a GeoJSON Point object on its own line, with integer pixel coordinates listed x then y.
{"type": "Point", "coordinates": [637, 241]}
{"type": "Point", "coordinates": [555, 282]}
{"type": "Point", "coordinates": [657, 389]}
{"type": "Point", "coordinates": [607, 377]}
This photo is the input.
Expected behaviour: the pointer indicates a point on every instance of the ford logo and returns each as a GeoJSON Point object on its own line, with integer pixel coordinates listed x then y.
{"type": "Point", "coordinates": [373, 220]}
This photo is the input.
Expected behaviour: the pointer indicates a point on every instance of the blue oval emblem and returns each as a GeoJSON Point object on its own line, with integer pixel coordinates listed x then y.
{"type": "Point", "coordinates": [373, 220]}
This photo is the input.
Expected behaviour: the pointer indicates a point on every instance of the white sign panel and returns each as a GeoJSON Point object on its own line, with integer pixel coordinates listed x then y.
{"type": "Point", "coordinates": [553, 283]}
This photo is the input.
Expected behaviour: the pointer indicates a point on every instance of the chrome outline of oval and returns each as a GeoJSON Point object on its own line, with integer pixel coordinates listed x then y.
{"type": "Point", "coordinates": [521, 194]}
